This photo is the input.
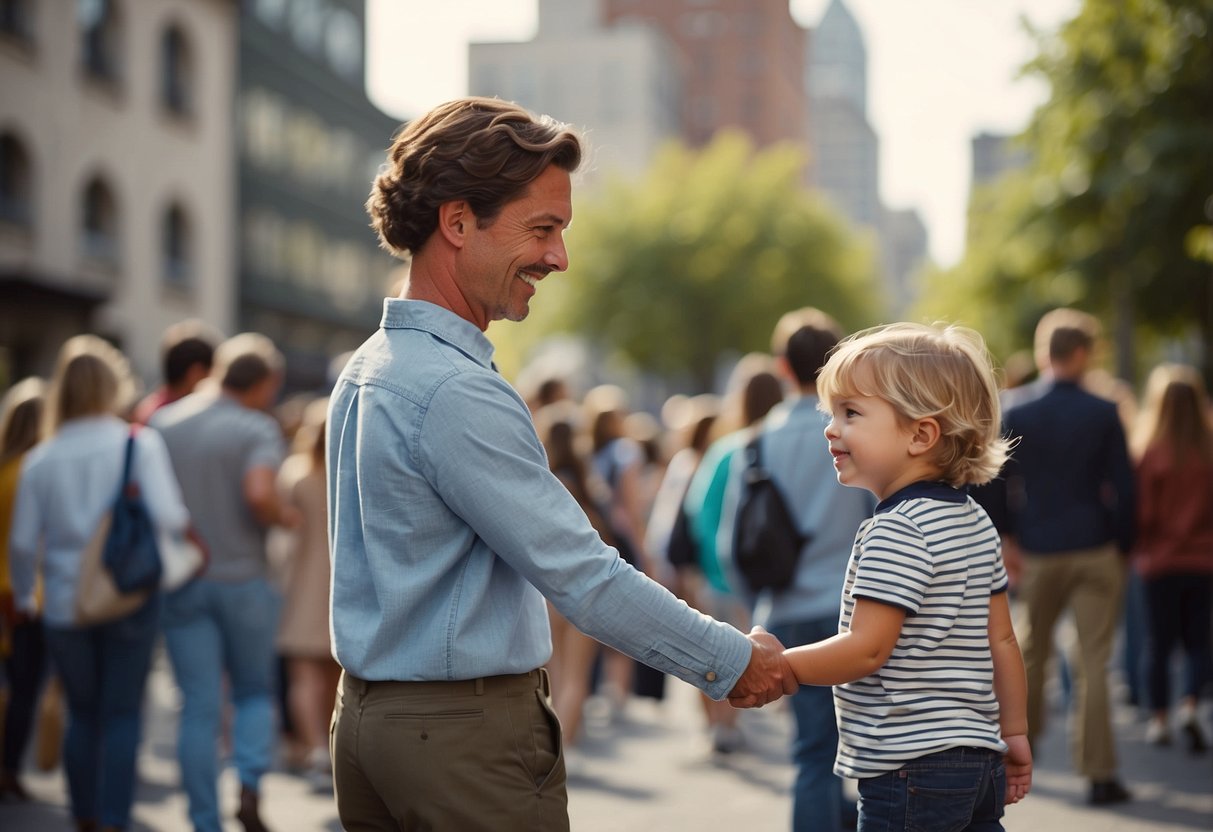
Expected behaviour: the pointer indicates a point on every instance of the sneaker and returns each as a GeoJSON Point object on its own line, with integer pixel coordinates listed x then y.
{"type": "Point", "coordinates": [247, 814]}
{"type": "Point", "coordinates": [1194, 738]}
{"type": "Point", "coordinates": [726, 739]}
{"type": "Point", "coordinates": [1107, 792]}
{"type": "Point", "coordinates": [574, 763]}
{"type": "Point", "coordinates": [1157, 733]}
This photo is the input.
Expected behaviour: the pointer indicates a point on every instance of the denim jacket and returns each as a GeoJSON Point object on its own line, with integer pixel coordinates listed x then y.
{"type": "Point", "coordinates": [447, 528]}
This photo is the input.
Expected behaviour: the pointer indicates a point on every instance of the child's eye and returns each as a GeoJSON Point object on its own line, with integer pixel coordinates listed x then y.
{"type": "Point", "coordinates": [850, 413]}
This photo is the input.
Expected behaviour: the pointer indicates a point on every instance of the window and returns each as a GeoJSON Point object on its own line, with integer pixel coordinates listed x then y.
{"type": "Point", "coordinates": [100, 38]}
{"type": "Point", "coordinates": [15, 185]}
{"type": "Point", "coordinates": [176, 72]}
{"type": "Point", "coordinates": [176, 246]}
{"type": "Point", "coordinates": [16, 18]}
{"type": "Point", "coordinates": [99, 222]}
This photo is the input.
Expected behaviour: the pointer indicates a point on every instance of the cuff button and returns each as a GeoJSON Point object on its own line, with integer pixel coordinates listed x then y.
{"type": "Point", "coordinates": [710, 676]}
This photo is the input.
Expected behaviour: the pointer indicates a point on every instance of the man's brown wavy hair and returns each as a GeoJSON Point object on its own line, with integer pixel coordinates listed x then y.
{"type": "Point", "coordinates": [481, 150]}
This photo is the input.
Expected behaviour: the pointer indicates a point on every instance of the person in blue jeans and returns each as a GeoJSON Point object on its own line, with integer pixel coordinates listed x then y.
{"type": "Point", "coordinates": [226, 450]}
{"type": "Point", "coordinates": [798, 459]}
{"type": "Point", "coordinates": [67, 484]}
{"type": "Point", "coordinates": [929, 681]}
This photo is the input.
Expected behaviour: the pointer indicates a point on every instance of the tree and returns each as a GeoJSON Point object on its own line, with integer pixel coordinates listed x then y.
{"type": "Point", "coordinates": [1113, 212]}
{"type": "Point", "coordinates": [700, 258]}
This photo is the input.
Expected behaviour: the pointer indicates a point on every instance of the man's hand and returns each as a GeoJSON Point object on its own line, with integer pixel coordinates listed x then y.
{"type": "Point", "coordinates": [1018, 763]}
{"type": "Point", "coordinates": [767, 677]}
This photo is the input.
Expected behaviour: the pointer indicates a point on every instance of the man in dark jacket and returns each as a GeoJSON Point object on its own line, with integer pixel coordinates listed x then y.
{"type": "Point", "coordinates": [1069, 519]}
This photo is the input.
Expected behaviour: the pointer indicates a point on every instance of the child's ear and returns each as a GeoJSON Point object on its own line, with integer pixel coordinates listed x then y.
{"type": "Point", "coordinates": [924, 435]}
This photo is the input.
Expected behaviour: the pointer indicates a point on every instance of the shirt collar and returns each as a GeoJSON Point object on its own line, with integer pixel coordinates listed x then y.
{"type": "Point", "coordinates": [923, 489]}
{"type": "Point", "coordinates": [444, 324]}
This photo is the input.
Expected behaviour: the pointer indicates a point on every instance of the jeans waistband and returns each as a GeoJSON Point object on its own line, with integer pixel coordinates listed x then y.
{"type": "Point", "coordinates": [958, 755]}
{"type": "Point", "coordinates": [506, 685]}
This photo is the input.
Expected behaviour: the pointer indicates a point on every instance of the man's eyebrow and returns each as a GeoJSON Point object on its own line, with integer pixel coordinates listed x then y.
{"type": "Point", "coordinates": [553, 219]}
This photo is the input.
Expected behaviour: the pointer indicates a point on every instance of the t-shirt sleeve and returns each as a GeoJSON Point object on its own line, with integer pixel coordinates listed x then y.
{"type": "Point", "coordinates": [267, 447]}
{"type": "Point", "coordinates": [894, 565]}
{"type": "Point", "coordinates": [999, 582]}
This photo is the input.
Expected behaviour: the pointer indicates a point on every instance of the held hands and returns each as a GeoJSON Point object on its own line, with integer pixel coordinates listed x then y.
{"type": "Point", "coordinates": [768, 675]}
{"type": "Point", "coordinates": [1018, 763]}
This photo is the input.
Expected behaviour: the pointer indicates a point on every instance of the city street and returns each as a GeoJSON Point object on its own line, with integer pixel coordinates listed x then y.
{"type": "Point", "coordinates": [652, 771]}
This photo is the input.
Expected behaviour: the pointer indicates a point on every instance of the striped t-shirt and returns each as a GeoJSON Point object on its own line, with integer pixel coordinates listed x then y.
{"type": "Point", "coordinates": [932, 551]}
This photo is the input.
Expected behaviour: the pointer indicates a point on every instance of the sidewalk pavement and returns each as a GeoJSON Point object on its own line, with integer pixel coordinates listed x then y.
{"type": "Point", "coordinates": [652, 771]}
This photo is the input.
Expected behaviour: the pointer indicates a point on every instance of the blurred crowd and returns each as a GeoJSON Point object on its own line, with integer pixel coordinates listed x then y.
{"type": "Point", "coordinates": [249, 639]}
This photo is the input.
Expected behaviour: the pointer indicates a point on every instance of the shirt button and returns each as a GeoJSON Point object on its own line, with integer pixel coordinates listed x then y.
{"type": "Point", "coordinates": [710, 676]}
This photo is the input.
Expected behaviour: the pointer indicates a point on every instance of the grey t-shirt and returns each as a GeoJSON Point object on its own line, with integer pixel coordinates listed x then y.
{"type": "Point", "coordinates": [213, 442]}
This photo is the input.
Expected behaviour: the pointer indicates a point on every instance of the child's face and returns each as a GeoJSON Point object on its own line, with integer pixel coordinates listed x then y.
{"type": "Point", "coordinates": [871, 445]}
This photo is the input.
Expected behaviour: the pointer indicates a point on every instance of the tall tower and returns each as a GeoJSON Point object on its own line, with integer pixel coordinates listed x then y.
{"type": "Point", "coordinates": [845, 150]}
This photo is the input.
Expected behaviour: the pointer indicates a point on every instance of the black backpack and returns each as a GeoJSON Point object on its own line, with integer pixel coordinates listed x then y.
{"type": "Point", "coordinates": [766, 540]}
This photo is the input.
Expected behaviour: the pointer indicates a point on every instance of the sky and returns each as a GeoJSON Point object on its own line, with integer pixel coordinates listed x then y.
{"type": "Point", "coordinates": [939, 72]}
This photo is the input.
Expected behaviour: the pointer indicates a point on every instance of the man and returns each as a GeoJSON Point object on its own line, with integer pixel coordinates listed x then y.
{"type": "Point", "coordinates": [1069, 509]}
{"type": "Point", "coordinates": [447, 527]}
{"type": "Point", "coordinates": [187, 352]}
{"type": "Point", "coordinates": [793, 448]}
{"type": "Point", "coordinates": [226, 450]}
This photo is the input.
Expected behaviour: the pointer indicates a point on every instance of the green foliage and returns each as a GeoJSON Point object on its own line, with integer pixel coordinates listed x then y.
{"type": "Point", "coordinates": [1113, 213]}
{"type": "Point", "coordinates": [702, 256]}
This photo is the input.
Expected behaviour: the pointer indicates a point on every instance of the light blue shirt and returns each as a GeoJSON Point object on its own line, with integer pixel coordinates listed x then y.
{"type": "Point", "coordinates": [67, 483]}
{"type": "Point", "coordinates": [447, 528]}
{"type": "Point", "coordinates": [794, 449]}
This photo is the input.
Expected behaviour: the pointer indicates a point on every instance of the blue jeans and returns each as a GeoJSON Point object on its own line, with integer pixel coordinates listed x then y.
{"type": "Point", "coordinates": [949, 791]}
{"type": "Point", "coordinates": [214, 630]}
{"type": "Point", "coordinates": [104, 669]}
{"type": "Point", "coordinates": [817, 800]}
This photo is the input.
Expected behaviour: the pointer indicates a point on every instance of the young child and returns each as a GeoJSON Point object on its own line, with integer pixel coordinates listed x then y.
{"type": "Point", "coordinates": [930, 686]}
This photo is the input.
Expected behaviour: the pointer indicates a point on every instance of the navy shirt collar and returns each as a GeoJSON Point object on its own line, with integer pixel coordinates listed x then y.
{"type": "Point", "coordinates": [928, 489]}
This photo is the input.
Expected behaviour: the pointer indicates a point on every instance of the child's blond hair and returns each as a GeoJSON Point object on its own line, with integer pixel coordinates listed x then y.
{"type": "Point", "coordinates": [940, 372]}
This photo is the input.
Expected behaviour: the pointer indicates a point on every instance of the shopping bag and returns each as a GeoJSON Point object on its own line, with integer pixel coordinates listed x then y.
{"type": "Point", "coordinates": [98, 598]}
{"type": "Point", "coordinates": [131, 554]}
{"type": "Point", "coordinates": [120, 566]}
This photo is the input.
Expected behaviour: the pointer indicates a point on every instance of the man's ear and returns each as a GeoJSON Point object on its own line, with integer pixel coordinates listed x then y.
{"type": "Point", "coordinates": [924, 435]}
{"type": "Point", "coordinates": [453, 219]}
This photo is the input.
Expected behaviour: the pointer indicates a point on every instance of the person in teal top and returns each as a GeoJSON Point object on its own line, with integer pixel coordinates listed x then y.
{"type": "Point", "coordinates": [758, 390]}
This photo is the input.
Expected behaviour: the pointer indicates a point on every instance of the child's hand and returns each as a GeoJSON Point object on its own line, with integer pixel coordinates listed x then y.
{"type": "Point", "coordinates": [1018, 763]}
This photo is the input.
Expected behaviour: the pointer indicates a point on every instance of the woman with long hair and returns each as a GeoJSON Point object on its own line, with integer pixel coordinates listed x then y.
{"type": "Point", "coordinates": [303, 635]}
{"type": "Point", "coordinates": [21, 638]}
{"type": "Point", "coordinates": [1173, 450]}
{"type": "Point", "coordinates": [68, 482]}
{"type": "Point", "coordinates": [573, 652]}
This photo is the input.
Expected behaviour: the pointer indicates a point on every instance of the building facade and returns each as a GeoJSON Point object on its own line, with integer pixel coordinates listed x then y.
{"type": "Point", "coordinates": [741, 64]}
{"type": "Point", "coordinates": [620, 84]}
{"type": "Point", "coordinates": [115, 192]}
{"type": "Point", "coordinates": [309, 142]}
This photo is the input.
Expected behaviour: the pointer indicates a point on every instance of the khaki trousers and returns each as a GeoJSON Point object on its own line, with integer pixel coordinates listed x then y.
{"type": "Point", "coordinates": [1090, 583]}
{"type": "Point", "coordinates": [482, 754]}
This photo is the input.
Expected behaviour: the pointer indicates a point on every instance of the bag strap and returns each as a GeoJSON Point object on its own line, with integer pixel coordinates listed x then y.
{"type": "Point", "coordinates": [126, 465]}
{"type": "Point", "coordinates": [753, 451]}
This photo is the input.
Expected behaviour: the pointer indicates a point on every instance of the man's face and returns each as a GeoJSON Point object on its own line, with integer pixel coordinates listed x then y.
{"type": "Point", "coordinates": [500, 266]}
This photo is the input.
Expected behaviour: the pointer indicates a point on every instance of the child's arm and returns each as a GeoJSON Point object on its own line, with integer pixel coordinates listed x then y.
{"type": "Point", "coordinates": [853, 654]}
{"type": "Point", "coordinates": [1011, 689]}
